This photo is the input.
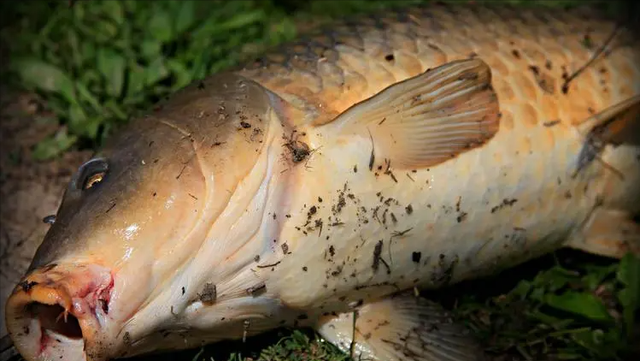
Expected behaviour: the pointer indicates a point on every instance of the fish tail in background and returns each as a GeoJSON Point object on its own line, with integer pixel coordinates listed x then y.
{"type": "Point", "coordinates": [609, 233]}
{"type": "Point", "coordinates": [610, 230]}
{"type": "Point", "coordinates": [613, 126]}
{"type": "Point", "coordinates": [403, 327]}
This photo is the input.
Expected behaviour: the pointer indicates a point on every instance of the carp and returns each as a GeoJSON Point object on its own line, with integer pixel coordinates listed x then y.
{"type": "Point", "coordinates": [320, 184]}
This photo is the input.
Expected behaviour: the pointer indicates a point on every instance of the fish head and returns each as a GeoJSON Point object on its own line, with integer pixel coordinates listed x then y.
{"type": "Point", "coordinates": [134, 218]}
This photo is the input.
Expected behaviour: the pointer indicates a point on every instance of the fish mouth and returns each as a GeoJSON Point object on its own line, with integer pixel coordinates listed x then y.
{"type": "Point", "coordinates": [62, 313]}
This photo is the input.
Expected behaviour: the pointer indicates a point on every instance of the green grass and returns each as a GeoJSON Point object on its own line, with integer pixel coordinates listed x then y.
{"type": "Point", "coordinates": [99, 63]}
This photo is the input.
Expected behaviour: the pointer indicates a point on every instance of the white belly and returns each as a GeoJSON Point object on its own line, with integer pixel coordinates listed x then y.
{"type": "Point", "coordinates": [487, 209]}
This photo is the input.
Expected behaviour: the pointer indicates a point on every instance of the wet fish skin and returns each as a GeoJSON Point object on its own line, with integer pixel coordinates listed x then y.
{"type": "Point", "coordinates": [532, 53]}
{"type": "Point", "coordinates": [248, 169]}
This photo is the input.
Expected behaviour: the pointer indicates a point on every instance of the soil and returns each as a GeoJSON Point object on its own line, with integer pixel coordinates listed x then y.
{"type": "Point", "coordinates": [29, 190]}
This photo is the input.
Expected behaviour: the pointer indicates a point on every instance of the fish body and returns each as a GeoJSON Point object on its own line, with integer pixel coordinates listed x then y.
{"type": "Point", "coordinates": [512, 199]}
{"type": "Point", "coordinates": [414, 149]}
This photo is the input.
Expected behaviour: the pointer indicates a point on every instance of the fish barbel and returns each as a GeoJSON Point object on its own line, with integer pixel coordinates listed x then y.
{"type": "Point", "coordinates": [415, 148]}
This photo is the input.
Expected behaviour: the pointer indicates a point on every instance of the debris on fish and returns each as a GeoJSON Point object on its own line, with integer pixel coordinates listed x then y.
{"type": "Point", "coordinates": [320, 185]}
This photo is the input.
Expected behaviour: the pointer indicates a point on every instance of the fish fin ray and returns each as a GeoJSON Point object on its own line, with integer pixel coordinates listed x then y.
{"type": "Point", "coordinates": [609, 233]}
{"type": "Point", "coordinates": [429, 118]}
{"type": "Point", "coordinates": [613, 124]}
{"type": "Point", "coordinates": [618, 124]}
{"type": "Point", "coordinates": [403, 327]}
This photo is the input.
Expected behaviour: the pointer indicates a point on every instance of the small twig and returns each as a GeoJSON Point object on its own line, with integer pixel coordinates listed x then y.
{"type": "Point", "coordinates": [372, 158]}
{"type": "Point", "coordinates": [269, 265]}
{"type": "Point", "coordinates": [565, 86]}
{"type": "Point", "coordinates": [353, 334]}
{"type": "Point", "coordinates": [245, 329]}
{"type": "Point", "coordinates": [393, 235]}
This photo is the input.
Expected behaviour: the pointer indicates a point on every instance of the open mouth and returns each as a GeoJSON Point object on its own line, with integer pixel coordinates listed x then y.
{"type": "Point", "coordinates": [55, 320]}
{"type": "Point", "coordinates": [55, 333]}
{"type": "Point", "coordinates": [60, 316]}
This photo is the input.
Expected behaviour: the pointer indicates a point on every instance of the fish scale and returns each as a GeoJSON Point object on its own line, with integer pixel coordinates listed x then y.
{"type": "Point", "coordinates": [353, 67]}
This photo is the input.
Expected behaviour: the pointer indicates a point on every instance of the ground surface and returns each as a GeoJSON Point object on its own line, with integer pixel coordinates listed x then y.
{"type": "Point", "coordinates": [565, 306]}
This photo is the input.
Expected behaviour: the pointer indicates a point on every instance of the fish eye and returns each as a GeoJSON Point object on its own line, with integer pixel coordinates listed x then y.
{"type": "Point", "coordinates": [93, 180]}
{"type": "Point", "coordinates": [91, 174]}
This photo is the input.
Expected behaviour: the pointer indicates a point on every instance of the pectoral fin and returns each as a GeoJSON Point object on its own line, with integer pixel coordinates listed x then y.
{"type": "Point", "coordinates": [401, 328]}
{"type": "Point", "coordinates": [609, 233]}
{"type": "Point", "coordinates": [427, 119]}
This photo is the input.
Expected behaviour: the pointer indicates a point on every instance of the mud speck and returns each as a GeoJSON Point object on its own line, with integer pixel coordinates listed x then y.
{"type": "Point", "coordinates": [209, 294]}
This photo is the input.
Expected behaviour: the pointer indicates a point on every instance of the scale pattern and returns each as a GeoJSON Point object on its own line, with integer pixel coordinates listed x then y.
{"type": "Point", "coordinates": [531, 52]}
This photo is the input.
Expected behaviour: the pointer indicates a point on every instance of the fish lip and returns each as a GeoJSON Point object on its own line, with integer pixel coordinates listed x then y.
{"type": "Point", "coordinates": [62, 313]}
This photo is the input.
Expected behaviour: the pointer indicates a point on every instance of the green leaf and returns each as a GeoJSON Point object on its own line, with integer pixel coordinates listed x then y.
{"type": "Point", "coordinates": [111, 65]}
{"type": "Point", "coordinates": [79, 11]}
{"type": "Point", "coordinates": [155, 71]}
{"type": "Point", "coordinates": [522, 289]}
{"type": "Point", "coordinates": [46, 77]}
{"type": "Point", "coordinates": [114, 10]}
{"type": "Point", "coordinates": [59, 106]}
{"type": "Point", "coordinates": [547, 319]}
{"type": "Point", "coordinates": [181, 73]}
{"type": "Point", "coordinates": [596, 275]}
{"type": "Point", "coordinates": [185, 16]}
{"type": "Point", "coordinates": [241, 20]}
{"type": "Point", "coordinates": [282, 30]}
{"type": "Point", "coordinates": [53, 146]}
{"type": "Point", "coordinates": [130, 5]}
{"type": "Point", "coordinates": [537, 294]}
{"type": "Point", "coordinates": [584, 304]}
{"type": "Point", "coordinates": [555, 278]}
{"type": "Point", "coordinates": [86, 95]}
{"type": "Point", "coordinates": [150, 48]}
{"type": "Point", "coordinates": [77, 120]}
{"type": "Point", "coordinates": [195, 358]}
{"type": "Point", "coordinates": [629, 275]}
{"type": "Point", "coordinates": [74, 48]}
{"type": "Point", "coordinates": [92, 80]}
{"type": "Point", "coordinates": [91, 126]}
{"type": "Point", "coordinates": [629, 271]}
{"type": "Point", "coordinates": [88, 50]}
{"type": "Point", "coordinates": [136, 82]}
{"type": "Point", "coordinates": [199, 67]}
{"type": "Point", "coordinates": [123, 42]}
{"type": "Point", "coordinates": [115, 109]}
{"type": "Point", "coordinates": [160, 25]}
{"type": "Point", "coordinates": [595, 339]}
{"type": "Point", "coordinates": [100, 30]}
